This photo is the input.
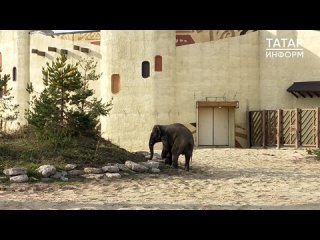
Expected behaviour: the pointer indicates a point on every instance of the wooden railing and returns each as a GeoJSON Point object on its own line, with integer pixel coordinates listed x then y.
{"type": "Point", "coordinates": [284, 127]}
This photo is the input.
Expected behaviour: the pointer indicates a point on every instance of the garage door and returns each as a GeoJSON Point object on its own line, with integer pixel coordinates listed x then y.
{"type": "Point", "coordinates": [213, 126]}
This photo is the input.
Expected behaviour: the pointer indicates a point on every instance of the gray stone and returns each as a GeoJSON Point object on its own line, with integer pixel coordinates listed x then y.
{"type": "Point", "coordinates": [155, 170]}
{"type": "Point", "coordinates": [143, 153]}
{"type": "Point", "coordinates": [64, 173]}
{"type": "Point", "coordinates": [161, 163]}
{"type": "Point", "coordinates": [46, 170]}
{"type": "Point", "coordinates": [90, 170]}
{"type": "Point", "coordinates": [64, 179]}
{"type": "Point", "coordinates": [57, 175]}
{"type": "Point", "coordinates": [69, 167]}
{"type": "Point", "coordinates": [33, 179]}
{"type": "Point", "coordinates": [2, 178]}
{"type": "Point", "coordinates": [150, 164]}
{"type": "Point", "coordinates": [123, 168]}
{"type": "Point", "coordinates": [93, 176]}
{"type": "Point", "coordinates": [125, 174]}
{"type": "Point", "coordinates": [15, 171]}
{"type": "Point", "coordinates": [19, 178]}
{"type": "Point", "coordinates": [113, 175]}
{"type": "Point", "coordinates": [110, 169]}
{"type": "Point", "coordinates": [75, 172]}
{"type": "Point", "coordinates": [136, 167]}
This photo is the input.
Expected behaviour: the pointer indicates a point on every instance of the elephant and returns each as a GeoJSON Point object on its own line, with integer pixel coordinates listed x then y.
{"type": "Point", "coordinates": [176, 140]}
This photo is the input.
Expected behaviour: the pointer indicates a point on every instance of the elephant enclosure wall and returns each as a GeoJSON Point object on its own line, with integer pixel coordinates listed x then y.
{"type": "Point", "coordinates": [225, 69]}
{"type": "Point", "coordinates": [284, 127]}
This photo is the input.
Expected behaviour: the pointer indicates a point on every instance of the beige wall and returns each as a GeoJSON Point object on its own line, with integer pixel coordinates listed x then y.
{"type": "Point", "coordinates": [42, 42]}
{"type": "Point", "coordinates": [141, 102]}
{"type": "Point", "coordinates": [234, 68]}
{"type": "Point", "coordinates": [224, 68]}
{"type": "Point", "coordinates": [278, 74]}
{"type": "Point", "coordinates": [14, 46]}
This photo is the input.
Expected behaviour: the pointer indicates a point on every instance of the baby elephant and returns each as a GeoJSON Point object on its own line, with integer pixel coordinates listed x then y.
{"type": "Point", "coordinates": [176, 140]}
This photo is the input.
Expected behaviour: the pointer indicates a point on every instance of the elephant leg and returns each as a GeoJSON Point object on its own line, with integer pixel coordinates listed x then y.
{"type": "Point", "coordinates": [186, 166]}
{"type": "Point", "coordinates": [164, 153]}
{"type": "Point", "coordinates": [169, 157]}
{"type": "Point", "coordinates": [175, 158]}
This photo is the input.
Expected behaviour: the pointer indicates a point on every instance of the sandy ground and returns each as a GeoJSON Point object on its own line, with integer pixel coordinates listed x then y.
{"type": "Point", "coordinates": [220, 178]}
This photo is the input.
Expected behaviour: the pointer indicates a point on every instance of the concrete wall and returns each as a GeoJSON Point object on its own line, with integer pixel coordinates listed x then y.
{"type": "Point", "coordinates": [224, 68]}
{"type": "Point", "coordinates": [42, 42]}
{"type": "Point", "coordinates": [14, 46]}
{"type": "Point", "coordinates": [141, 102]}
{"type": "Point", "coordinates": [278, 74]}
{"type": "Point", "coordinates": [235, 69]}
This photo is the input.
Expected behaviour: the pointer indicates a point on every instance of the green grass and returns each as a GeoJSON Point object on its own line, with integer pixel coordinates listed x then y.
{"type": "Point", "coordinates": [26, 151]}
{"type": "Point", "coordinates": [315, 152]}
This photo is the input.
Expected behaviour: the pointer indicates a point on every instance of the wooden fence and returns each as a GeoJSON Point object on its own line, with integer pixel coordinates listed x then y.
{"type": "Point", "coordinates": [284, 127]}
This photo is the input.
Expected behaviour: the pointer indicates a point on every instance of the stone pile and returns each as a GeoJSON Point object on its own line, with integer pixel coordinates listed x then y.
{"type": "Point", "coordinates": [49, 172]}
{"type": "Point", "coordinates": [18, 175]}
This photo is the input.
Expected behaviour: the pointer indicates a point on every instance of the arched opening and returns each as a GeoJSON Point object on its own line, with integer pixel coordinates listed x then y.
{"type": "Point", "coordinates": [14, 74]}
{"type": "Point", "coordinates": [115, 83]}
{"type": "Point", "coordinates": [145, 69]}
{"type": "Point", "coordinates": [158, 63]}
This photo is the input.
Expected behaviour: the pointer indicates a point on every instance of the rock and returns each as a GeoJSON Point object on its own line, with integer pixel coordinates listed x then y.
{"type": "Point", "coordinates": [15, 171]}
{"type": "Point", "coordinates": [110, 169]}
{"type": "Point", "coordinates": [123, 168]}
{"type": "Point", "coordinates": [57, 175]}
{"type": "Point", "coordinates": [75, 172]}
{"type": "Point", "coordinates": [143, 153]}
{"type": "Point", "coordinates": [69, 167]}
{"type": "Point", "coordinates": [93, 170]}
{"type": "Point", "coordinates": [64, 179]}
{"type": "Point", "coordinates": [3, 178]}
{"type": "Point", "coordinates": [155, 170]}
{"type": "Point", "coordinates": [64, 173]}
{"type": "Point", "coordinates": [93, 176]}
{"type": "Point", "coordinates": [46, 170]}
{"type": "Point", "coordinates": [160, 161]}
{"type": "Point", "coordinates": [150, 164]}
{"type": "Point", "coordinates": [19, 178]}
{"type": "Point", "coordinates": [135, 166]}
{"type": "Point", "coordinates": [125, 174]}
{"type": "Point", "coordinates": [33, 179]}
{"type": "Point", "coordinates": [113, 175]}
{"type": "Point", "coordinates": [1, 135]}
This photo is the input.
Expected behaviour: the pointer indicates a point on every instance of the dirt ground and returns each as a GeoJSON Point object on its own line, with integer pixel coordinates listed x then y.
{"type": "Point", "coordinates": [220, 178]}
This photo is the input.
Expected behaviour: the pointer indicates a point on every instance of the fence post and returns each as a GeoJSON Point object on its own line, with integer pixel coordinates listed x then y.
{"type": "Point", "coordinates": [279, 128]}
{"type": "Point", "coordinates": [264, 137]}
{"type": "Point", "coordinates": [298, 127]}
{"type": "Point", "coordinates": [248, 130]}
{"type": "Point", "coordinates": [317, 127]}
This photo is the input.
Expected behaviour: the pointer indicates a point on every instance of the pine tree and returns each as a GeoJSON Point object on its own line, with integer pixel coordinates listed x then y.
{"type": "Point", "coordinates": [88, 108]}
{"type": "Point", "coordinates": [8, 109]}
{"type": "Point", "coordinates": [64, 108]}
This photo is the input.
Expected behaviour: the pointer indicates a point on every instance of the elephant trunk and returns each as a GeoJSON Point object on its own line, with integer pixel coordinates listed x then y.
{"type": "Point", "coordinates": [151, 144]}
